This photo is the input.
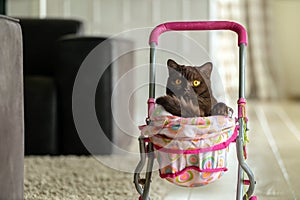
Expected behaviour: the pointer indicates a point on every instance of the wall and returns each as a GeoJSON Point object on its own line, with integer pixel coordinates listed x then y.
{"type": "Point", "coordinates": [112, 16]}
{"type": "Point", "coordinates": [286, 39]}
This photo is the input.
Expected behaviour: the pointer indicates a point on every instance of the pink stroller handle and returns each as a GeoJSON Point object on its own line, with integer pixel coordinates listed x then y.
{"type": "Point", "coordinates": [200, 25]}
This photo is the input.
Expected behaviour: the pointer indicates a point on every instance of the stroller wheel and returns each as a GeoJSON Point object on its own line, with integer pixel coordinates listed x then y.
{"type": "Point", "coordinates": [140, 198]}
{"type": "Point", "coordinates": [253, 198]}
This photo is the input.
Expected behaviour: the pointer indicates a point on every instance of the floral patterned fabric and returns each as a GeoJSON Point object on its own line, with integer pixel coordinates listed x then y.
{"type": "Point", "coordinates": [190, 151]}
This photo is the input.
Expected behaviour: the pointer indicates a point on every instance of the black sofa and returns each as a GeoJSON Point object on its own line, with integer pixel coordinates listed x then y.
{"type": "Point", "coordinates": [54, 50]}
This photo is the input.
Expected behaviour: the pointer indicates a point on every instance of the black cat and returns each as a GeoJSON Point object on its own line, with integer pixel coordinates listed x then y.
{"type": "Point", "coordinates": [189, 92]}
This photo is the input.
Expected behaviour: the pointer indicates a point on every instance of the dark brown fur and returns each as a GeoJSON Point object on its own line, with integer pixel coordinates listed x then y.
{"type": "Point", "coordinates": [187, 100]}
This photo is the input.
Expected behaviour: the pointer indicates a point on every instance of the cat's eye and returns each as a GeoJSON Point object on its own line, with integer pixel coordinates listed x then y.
{"type": "Point", "coordinates": [178, 81]}
{"type": "Point", "coordinates": [196, 83]}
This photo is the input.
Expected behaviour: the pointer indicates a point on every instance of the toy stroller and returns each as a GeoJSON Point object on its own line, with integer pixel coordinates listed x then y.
{"type": "Point", "coordinates": [192, 152]}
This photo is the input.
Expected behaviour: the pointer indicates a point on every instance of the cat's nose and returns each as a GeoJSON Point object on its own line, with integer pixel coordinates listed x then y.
{"type": "Point", "coordinates": [187, 89]}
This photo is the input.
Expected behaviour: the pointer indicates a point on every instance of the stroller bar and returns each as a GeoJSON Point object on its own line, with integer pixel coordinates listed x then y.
{"type": "Point", "coordinates": [243, 167]}
{"type": "Point", "coordinates": [140, 166]}
{"type": "Point", "coordinates": [197, 26]}
{"type": "Point", "coordinates": [145, 151]}
{"type": "Point", "coordinates": [242, 64]}
{"type": "Point", "coordinates": [152, 70]}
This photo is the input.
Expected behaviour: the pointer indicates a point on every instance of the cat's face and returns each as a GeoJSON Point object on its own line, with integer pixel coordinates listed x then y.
{"type": "Point", "coordinates": [187, 81]}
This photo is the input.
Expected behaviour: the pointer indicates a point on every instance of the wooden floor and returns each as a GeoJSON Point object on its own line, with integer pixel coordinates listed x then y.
{"type": "Point", "coordinates": [273, 150]}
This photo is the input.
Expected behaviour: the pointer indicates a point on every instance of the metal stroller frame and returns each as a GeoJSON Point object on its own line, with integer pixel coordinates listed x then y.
{"type": "Point", "coordinates": [146, 146]}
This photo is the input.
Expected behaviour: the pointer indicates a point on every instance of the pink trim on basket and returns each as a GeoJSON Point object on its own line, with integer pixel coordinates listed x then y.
{"type": "Point", "coordinates": [173, 175]}
{"type": "Point", "coordinates": [217, 147]}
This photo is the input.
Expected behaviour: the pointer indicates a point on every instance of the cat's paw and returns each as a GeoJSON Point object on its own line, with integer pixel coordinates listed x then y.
{"type": "Point", "coordinates": [160, 100]}
{"type": "Point", "coordinates": [165, 101]}
{"type": "Point", "coordinates": [222, 109]}
{"type": "Point", "coordinates": [179, 107]}
{"type": "Point", "coordinates": [170, 103]}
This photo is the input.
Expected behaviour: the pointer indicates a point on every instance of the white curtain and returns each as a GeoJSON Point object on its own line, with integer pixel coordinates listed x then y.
{"type": "Point", "coordinates": [255, 15]}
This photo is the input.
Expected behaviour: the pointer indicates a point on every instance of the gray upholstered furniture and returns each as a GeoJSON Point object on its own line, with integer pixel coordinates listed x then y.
{"type": "Point", "coordinates": [11, 110]}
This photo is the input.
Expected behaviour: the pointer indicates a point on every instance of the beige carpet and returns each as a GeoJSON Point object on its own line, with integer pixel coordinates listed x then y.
{"type": "Point", "coordinates": [71, 177]}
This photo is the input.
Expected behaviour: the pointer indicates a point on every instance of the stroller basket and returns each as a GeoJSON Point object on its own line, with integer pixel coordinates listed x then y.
{"type": "Point", "coordinates": [190, 152]}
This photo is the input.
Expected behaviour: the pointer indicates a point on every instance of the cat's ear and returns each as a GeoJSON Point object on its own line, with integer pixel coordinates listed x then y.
{"type": "Point", "coordinates": [172, 64]}
{"type": "Point", "coordinates": [206, 69]}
